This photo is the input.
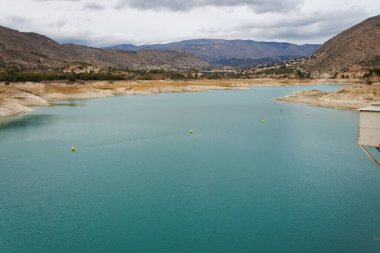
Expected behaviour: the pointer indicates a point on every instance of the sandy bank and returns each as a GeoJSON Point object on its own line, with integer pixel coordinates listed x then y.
{"type": "Point", "coordinates": [18, 98]}
{"type": "Point", "coordinates": [349, 97]}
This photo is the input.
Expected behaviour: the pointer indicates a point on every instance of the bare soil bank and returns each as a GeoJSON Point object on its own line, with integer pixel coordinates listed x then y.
{"type": "Point", "coordinates": [349, 97]}
{"type": "Point", "coordinates": [18, 98]}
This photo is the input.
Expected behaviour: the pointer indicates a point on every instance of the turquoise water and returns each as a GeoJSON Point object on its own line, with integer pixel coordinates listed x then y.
{"type": "Point", "coordinates": [140, 183]}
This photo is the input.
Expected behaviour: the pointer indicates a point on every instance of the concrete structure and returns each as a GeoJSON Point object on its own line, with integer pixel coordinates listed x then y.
{"type": "Point", "coordinates": [369, 130]}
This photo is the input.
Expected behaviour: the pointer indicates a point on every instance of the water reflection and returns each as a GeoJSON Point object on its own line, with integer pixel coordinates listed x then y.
{"type": "Point", "coordinates": [66, 103]}
{"type": "Point", "coordinates": [25, 121]}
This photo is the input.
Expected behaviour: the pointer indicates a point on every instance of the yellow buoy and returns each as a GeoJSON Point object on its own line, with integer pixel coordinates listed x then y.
{"type": "Point", "coordinates": [73, 149]}
{"type": "Point", "coordinates": [190, 131]}
{"type": "Point", "coordinates": [262, 121]}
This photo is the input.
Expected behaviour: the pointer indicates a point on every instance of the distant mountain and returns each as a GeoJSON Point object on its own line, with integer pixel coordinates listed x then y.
{"type": "Point", "coordinates": [247, 63]}
{"type": "Point", "coordinates": [359, 45]}
{"type": "Point", "coordinates": [35, 51]}
{"type": "Point", "coordinates": [231, 52]}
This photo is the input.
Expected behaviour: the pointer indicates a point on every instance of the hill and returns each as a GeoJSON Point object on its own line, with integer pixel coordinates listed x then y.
{"type": "Point", "coordinates": [231, 52]}
{"type": "Point", "coordinates": [34, 51]}
{"type": "Point", "coordinates": [355, 48]}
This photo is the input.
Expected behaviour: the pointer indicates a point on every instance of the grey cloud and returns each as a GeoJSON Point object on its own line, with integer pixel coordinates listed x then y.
{"type": "Point", "coordinates": [57, 0]}
{"type": "Point", "coordinates": [92, 40]}
{"type": "Point", "coordinates": [318, 26]}
{"type": "Point", "coordinates": [58, 24]}
{"type": "Point", "coordinates": [299, 26]}
{"type": "Point", "coordinates": [93, 6]}
{"type": "Point", "coordinates": [16, 21]}
{"type": "Point", "coordinates": [186, 5]}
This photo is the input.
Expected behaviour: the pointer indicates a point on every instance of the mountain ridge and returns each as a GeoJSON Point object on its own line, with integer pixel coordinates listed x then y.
{"type": "Point", "coordinates": [215, 51]}
{"type": "Point", "coordinates": [25, 50]}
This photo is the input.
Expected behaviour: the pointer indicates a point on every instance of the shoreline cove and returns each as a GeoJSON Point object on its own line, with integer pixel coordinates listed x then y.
{"type": "Point", "coordinates": [19, 98]}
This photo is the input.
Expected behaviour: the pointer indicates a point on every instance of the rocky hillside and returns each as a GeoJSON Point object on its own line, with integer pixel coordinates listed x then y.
{"type": "Point", "coordinates": [231, 52]}
{"type": "Point", "coordinates": [35, 51]}
{"type": "Point", "coordinates": [355, 48]}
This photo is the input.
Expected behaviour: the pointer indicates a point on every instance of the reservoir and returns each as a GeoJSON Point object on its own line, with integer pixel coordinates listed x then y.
{"type": "Point", "coordinates": [254, 175]}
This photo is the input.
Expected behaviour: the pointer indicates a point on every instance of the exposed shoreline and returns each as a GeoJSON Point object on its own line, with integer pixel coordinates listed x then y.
{"type": "Point", "coordinates": [19, 98]}
{"type": "Point", "coordinates": [349, 97]}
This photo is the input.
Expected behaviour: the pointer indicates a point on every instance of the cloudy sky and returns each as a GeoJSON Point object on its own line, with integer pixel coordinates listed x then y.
{"type": "Point", "coordinates": [109, 22]}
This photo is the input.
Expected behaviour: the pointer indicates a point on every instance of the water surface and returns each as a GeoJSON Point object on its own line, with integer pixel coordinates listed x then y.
{"type": "Point", "coordinates": [140, 183]}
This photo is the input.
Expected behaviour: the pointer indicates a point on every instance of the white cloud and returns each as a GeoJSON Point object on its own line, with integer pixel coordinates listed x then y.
{"type": "Point", "coordinates": [99, 23]}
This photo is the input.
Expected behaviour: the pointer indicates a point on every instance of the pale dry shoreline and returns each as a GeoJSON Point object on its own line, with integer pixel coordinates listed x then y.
{"type": "Point", "coordinates": [353, 96]}
{"type": "Point", "coordinates": [19, 98]}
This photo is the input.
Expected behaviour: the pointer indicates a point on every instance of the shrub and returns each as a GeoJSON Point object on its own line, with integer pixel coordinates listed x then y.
{"type": "Point", "coordinates": [366, 75]}
{"type": "Point", "coordinates": [23, 76]}
{"type": "Point", "coordinates": [376, 72]}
